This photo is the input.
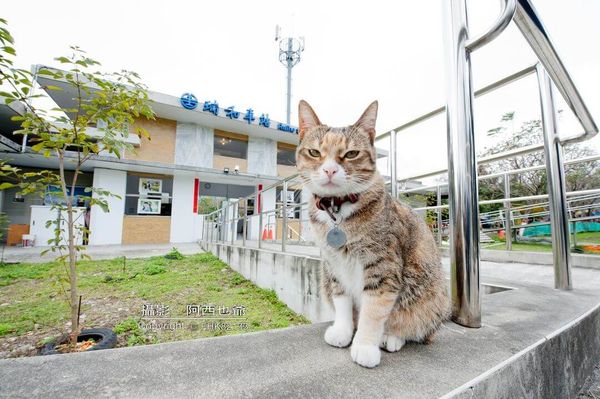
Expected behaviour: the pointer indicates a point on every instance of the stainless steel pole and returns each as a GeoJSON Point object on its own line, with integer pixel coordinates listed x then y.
{"type": "Point", "coordinates": [393, 159]}
{"type": "Point", "coordinates": [245, 223]}
{"type": "Point", "coordinates": [205, 222]}
{"type": "Point", "coordinates": [234, 213]}
{"type": "Point", "coordinates": [224, 224]}
{"type": "Point", "coordinates": [439, 215]}
{"type": "Point", "coordinates": [507, 206]}
{"type": "Point", "coordinates": [260, 216]}
{"type": "Point", "coordinates": [557, 198]}
{"type": "Point", "coordinates": [212, 228]}
{"type": "Point", "coordinates": [462, 169]}
{"type": "Point", "coordinates": [528, 21]}
{"type": "Point", "coordinates": [285, 217]}
{"type": "Point", "coordinates": [574, 229]}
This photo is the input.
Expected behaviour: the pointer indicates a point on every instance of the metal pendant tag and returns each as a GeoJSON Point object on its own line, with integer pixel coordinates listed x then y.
{"type": "Point", "coordinates": [336, 238]}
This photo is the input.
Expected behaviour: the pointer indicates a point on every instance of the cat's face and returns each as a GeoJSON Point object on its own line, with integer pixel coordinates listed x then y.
{"type": "Point", "coordinates": [336, 161]}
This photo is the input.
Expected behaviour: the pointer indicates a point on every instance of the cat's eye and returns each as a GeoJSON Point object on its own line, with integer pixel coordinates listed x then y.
{"type": "Point", "coordinates": [351, 154]}
{"type": "Point", "coordinates": [314, 153]}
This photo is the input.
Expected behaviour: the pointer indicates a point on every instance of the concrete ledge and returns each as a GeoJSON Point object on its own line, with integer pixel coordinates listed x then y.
{"type": "Point", "coordinates": [554, 367]}
{"type": "Point", "coordinates": [295, 278]}
{"type": "Point", "coordinates": [534, 258]}
{"type": "Point", "coordinates": [535, 342]}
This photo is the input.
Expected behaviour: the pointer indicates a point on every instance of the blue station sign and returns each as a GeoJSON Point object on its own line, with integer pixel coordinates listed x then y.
{"type": "Point", "coordinates": [189, 101]}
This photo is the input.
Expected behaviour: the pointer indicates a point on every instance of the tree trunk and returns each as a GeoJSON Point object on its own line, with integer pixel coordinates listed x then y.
{"type": "Point", "coordinates": [73, 275]}
{"type": "Point", "coordinates": [72, 251]}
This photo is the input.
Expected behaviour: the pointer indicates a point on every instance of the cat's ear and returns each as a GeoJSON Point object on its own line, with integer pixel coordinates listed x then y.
{"type": "Point", "coordinates": [307, 118]}
{"type": "Point", "coordinates": [367, 120]}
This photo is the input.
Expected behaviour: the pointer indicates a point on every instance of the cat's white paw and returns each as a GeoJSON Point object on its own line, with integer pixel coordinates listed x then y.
{"type": "Point", "coordinates": [338, 336]}
{"type": "Point", "coordinates": [365, 355]}
{"type": "Point", "coordinates": [392, 343]}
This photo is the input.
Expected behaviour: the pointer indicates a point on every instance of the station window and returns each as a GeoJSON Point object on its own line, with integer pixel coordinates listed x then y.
{"type": "Point", "coordinates": [229, 145]}
{"type": "Point", "coordinates": [148, 195]}
{"type": "Point", "coordinates": [286, 155]}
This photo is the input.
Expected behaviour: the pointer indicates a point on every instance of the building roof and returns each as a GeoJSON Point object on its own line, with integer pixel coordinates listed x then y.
{"type": "Point", "coordinates": [169, 107]}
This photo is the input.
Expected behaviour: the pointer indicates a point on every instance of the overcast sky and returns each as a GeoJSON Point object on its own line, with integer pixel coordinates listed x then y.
{"type": "Point", "coordinates": [356, 52]}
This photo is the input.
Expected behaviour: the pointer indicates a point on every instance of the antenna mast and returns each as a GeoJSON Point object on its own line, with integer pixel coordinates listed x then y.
{"type": "Point", "coordinates": [290, 49]}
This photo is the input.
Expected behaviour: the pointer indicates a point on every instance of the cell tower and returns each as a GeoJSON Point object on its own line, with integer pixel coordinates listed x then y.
{"type": "Point", "coordinates": [290, 49]}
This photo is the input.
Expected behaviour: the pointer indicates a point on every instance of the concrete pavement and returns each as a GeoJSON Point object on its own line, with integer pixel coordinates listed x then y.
{"type": "Point", "coordinates": [535, 342]}
{"type": "Point", "coordinates": [32, 254]}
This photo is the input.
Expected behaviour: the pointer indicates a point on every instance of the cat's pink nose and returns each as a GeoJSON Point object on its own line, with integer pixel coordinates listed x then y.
{"type": "Point", "coordinates": [330, 171]}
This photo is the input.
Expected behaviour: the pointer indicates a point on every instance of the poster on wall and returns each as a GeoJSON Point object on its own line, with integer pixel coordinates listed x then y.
{"type": "Point", "coordinates": [148, 206]}
{"type": "Point", "coordinates": [150, 186]}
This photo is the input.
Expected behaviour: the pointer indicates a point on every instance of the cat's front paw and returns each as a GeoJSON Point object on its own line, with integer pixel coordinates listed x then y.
{"type": "Point", "coordinates": [365, 355]}
{"type": "Point", "coordinates": [392, 343]}
{"type": "Point", "coordinates": [338, 336]}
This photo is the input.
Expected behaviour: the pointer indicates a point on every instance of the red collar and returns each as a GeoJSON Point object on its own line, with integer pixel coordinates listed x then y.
{"type": "Point", "coordinates": [333, 204]}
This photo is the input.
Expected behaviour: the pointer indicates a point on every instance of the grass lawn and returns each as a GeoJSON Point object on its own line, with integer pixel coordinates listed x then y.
{"type": "Point", "coordinates": [582, 238]}
{"type": "Point", "coordinates": [33, 305]}
{"type": "Point", "coordinates": [519, 247]}
{"type": "Point", "coordinates": [591, 237]}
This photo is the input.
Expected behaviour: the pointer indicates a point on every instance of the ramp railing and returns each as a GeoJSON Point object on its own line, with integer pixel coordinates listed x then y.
{"type": "Point", "coordinates": [250, 221]}
{"type": "Point", "coordinates": [462, 160]}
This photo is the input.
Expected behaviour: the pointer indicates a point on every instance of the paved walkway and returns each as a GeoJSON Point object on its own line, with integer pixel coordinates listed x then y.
{"type": "Point", "coordinates": [32, 255]}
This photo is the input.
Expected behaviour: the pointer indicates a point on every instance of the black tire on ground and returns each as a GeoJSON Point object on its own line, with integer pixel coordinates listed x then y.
{"type": "Point", "coordinates": [105, 339]}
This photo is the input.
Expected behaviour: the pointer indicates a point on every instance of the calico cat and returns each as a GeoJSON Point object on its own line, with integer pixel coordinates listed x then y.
{"type": "Point", "coordinates": [382, 271]}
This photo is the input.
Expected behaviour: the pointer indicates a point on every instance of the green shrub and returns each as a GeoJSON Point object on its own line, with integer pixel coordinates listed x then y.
{"type": "Point", "coordinates": [126, 325]}
{"type": "Point", "coordinates": [237, 279]}
{"type": "Point", "coordinates": [174, 254]}
{"type": "Point", "coordinates": [153, 269]}
{"type": "Point", "coordinates": [132, 331]}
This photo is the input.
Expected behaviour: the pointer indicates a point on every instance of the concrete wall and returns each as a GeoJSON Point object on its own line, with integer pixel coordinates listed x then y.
{"type": "Point", "coordinates": [107, 227]}
{"type": "Point", "coordinates": [220, 162]}
{"type": "Point", "coordinates": [307, 232]}
{"type": "Point", "coordinates": [18, 212]}
{"type": "Point", "coordinates": [262, 156]}
{"type": "Point", "coordinates": [194, 145]}
{"type": "Point", "coordinates": [183, 218]}
{"type": "Point", "coordinates": [554, 367]}
{"type": "Point", "coordinates": [198, 228]}
{"type": "Point", "coordinates": [295, 279]}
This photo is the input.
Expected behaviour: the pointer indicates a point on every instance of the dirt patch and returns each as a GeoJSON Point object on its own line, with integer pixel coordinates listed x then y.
{"type": "Point", "coordinates": [96, 312]}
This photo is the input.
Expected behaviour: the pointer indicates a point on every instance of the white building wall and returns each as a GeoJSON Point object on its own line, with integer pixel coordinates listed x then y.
{"type": "Point", "coordinates": [107, 227]}
{"type": "Point", "coordinates": [268, 204]}
{"type": "Point", "coordinates": [262, 156]}
{"type": "Point", "coordinates": [307, 232]}
{"type": "Point", "coordinates": [183, 218]}
{"type": "Point", "coordinates": [194, 145]}
{"type": "Point", "coordinates": [199, 227]}
{"type": "Point", "coordinates": [255, 231]}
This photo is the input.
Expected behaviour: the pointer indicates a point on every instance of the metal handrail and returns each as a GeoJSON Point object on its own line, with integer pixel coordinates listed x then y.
{"type": "Point", "coordinates": [508, 12]}
{"type": "Point", "coordinates": [513, 199]}
{"type": "Point", "coordinates": [478, 93]}
{"type": "Point", "coordinates": [501, 174]}
{"type": "Point", "coordinates": [528, 21]}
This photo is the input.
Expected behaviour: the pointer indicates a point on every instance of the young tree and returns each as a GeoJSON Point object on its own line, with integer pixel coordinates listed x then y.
{"type": "Point", "coordinates": [111, 102]}
{"type": "Point", "coordinates": [580, 176]}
